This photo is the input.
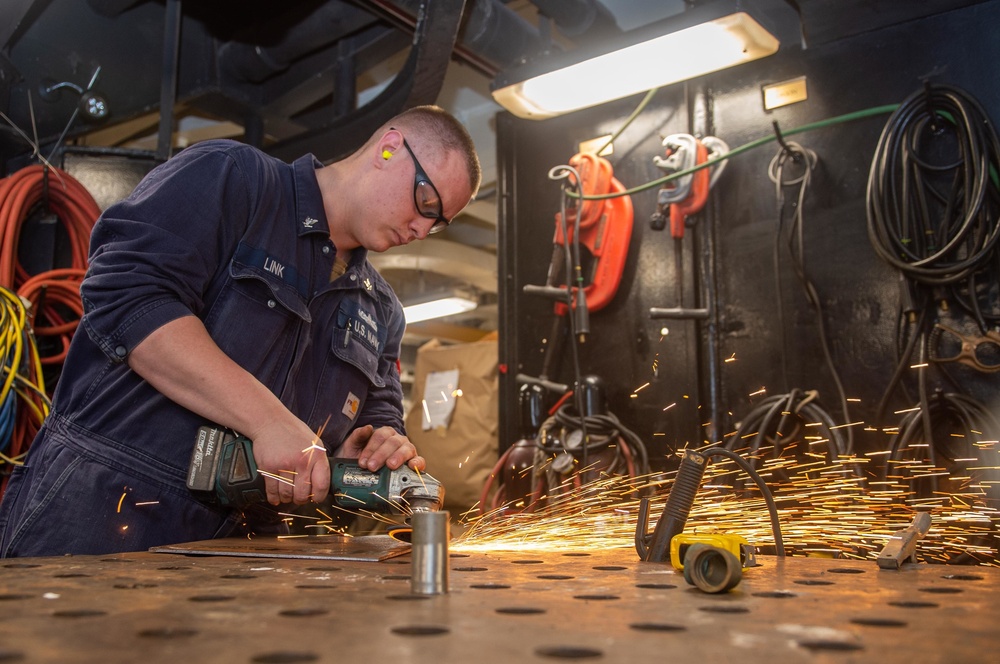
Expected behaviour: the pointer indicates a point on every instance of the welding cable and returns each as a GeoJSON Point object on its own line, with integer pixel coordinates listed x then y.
{"type": "Point", "coordinates": [573, 266]}
{"type": "Point", "coordinates": [746, 147]}
{"type": "Point", "coordinates": [942, 411]}
{"type": "Point", "coordinates": [806, 160]}
{"type": "Point", "coordinates": [772, 508]}
{"type": "Point", "coordinates": [932, 236]}
{"type": "Point", "coordinates": [779, 421]}
{"type": "Point", "coordinates": [605, 431]}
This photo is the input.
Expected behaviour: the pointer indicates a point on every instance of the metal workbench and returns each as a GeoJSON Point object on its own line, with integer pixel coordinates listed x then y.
{"type": "Point", "coordinates": [502, 607]}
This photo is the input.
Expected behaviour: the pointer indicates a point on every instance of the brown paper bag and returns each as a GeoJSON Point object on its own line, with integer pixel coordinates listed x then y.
{"type": "Point", "coordinates": [462, 455]}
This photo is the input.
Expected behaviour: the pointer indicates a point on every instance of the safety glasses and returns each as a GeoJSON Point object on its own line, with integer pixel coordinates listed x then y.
{"type": "Point", "coordinates": [426, 196]}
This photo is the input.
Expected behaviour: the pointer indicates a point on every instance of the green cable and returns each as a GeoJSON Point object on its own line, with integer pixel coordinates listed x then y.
{"type": "Point", "coordinates": [822, 124]}
{"type": "Point", "coordinates": [638, 109]}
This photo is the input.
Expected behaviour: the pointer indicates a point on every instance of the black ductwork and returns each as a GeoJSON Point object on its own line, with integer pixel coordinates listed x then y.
{"type": "Point", "coordinates": [303, 29]}
{"type": "Point", "coordinates": [419, 82]}
{"type": "Point", "coordinates": [579, 18]}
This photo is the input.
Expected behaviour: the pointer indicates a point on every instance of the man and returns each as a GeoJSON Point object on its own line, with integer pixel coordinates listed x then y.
{"type": "Point", "coordinates": [231, 289]}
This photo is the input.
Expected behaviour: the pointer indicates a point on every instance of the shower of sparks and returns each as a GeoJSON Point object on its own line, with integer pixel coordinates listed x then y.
{"type": "Point", "coordinates": [840, 506]}
{"type": "Point", "coordinates": [120, 501]}
{"type": "Point", "coordinates": [278, 477]}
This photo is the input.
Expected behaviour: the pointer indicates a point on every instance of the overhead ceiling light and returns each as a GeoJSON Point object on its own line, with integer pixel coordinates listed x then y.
{"type": "Point", "coordinates": [679, 48]}
{"type": "Point", "coordinates": [438, 306]}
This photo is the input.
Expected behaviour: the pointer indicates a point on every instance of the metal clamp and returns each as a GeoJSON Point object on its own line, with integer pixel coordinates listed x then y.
{"type": "Point", "coordinates": [973, 348]}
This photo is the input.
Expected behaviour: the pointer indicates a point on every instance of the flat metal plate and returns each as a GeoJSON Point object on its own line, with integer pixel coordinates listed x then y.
{"type": "Point", "coordinates": [368, 548]}
{"type": "Point", "coordinates": [549, 606]}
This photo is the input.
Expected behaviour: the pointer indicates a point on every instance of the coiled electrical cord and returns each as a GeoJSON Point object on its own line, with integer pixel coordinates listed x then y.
{"type": "Point", "coordinates": [38, 311]}
{"type": "Point", "coordinates": [23, 401]}
{"type": "Point", "coordinates": [603, 431]}
{"type": "Point", "coordinates": [778, 422]}
{"type": "Point", "coordinates": [54, 294]}
{"type": "Point", "coordinates": [932, 219]}
{"type": "Point", "coordinates": [975, 423]}
{"type": "Point", "coordinates": [792, 152]}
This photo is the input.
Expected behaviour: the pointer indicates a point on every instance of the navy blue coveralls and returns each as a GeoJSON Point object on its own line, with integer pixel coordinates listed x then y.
{"type": "Point", "coordinates": [239, 239]}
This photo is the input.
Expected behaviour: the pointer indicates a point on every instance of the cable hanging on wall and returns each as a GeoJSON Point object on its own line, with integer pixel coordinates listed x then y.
{"type": "Point", "coordinates": [933, 208]}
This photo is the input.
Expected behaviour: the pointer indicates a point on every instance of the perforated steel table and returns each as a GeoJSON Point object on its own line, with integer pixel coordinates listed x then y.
{"type": "Point", "coordinates": [502, 607]}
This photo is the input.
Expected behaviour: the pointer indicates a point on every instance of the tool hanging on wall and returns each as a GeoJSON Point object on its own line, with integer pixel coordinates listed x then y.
{"type": "Point", "coordinates": [589, 248]}
{"type": "Point", "coordinates": [683, 197]}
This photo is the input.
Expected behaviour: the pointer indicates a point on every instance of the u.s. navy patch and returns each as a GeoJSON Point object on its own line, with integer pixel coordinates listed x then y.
{"type": "Point", "coordinates": [362, 325]}
{"type": "Point", "coordinates": [351, 405]}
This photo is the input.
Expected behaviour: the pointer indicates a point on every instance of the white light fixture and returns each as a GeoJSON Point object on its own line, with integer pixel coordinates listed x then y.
{"type": "Point", "coordinates": [446, 304]}
{"type": "Point", "coordinates": [688, 51]}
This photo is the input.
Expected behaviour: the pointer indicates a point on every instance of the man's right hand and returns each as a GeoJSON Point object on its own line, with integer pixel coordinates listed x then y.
{"type": "Point", "coordinates": [296, 455]}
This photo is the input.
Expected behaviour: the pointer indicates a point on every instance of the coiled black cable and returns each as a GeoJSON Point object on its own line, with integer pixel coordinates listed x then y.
{"type": "Point", "coordinates": [934, 217]}
{"type": "Point", "coordinates": [602, 431]}
{"type": "Point", "coordinates": [963, 424]}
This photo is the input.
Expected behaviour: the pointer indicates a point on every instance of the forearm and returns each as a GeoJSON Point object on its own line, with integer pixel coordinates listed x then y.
{"type": "Point", "coordinates": [184, 364]}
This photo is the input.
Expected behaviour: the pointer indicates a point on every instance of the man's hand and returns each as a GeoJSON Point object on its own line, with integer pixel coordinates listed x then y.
{"type": "Point", "coordinates": [294, 453]}
{"type": "Point", "coordinates": [374, 447]}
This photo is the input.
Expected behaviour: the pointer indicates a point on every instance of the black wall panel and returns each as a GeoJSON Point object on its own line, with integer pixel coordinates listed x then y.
{"type": "Point", "coordinates": [713, 370]}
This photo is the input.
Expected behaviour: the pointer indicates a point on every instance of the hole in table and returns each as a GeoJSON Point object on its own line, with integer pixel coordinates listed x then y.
{"type": "Point", "coordinates": [168, 632]}
{"type": "Point", "coordinates": [724, 609]}
{"type": "Point", "coordinates": [520, 610]}
{"type": "Point", "coordinates": [609, 568]}
{"type": "Point", "coordinates": [830, 645]}
{"type": "Point", "coordinates": [490, 586]}
{"type": "Point", "coordinates": [910, 604]}
{"type": "Point", "coordinates": [211, 598]}
{"type": "Point", "coordinates": [470, 569]}
{"type": "Point", "coordinates": [133, 586]}
{"type": "Point", "coordinates": [527, 562]}
{"type": "Point", "coordinates": [655, 586]}
{"type": "Point", "coordinates": [657, 627]}
{"type": "Point", "coordinates": [420, 630]}
{"type": "Point", "coordinates": [303, 613]}
{"type": "Point", "coordinates": [879, 622]}
{"type": "Point", "coordinates": [962, 577]}
{"type": "Point", "coordinates": [556, 577]}
{"type": "Point", "coordinates": [315, 586]}
{"type": "Point", "coordinates": [596, 597]}
{"type": "Point", "coordinates": [568, 652]}
{"type": "Point", "coordinates": [285, 657]}
{"type": "Point", "coordinates": [237, 576]}
{"type": "Point", "coordinates": [396, 577]}
{"type": "Point", "coordinates": [813, 582]}
{"type": "Point", "coordinates": [846, 570]}
{"type": "Point", "coordinates": [408, 597]}
{"type": "Point", "coordinates": [942, 590]}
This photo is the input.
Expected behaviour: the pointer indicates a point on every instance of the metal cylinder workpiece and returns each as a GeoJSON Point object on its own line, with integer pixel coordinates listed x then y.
{"type": "Point", "coordinates": [431, 531]}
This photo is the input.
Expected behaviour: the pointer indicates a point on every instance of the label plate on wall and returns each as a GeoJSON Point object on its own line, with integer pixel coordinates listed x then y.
{"type": "Point", "coordinates": [787, 92]}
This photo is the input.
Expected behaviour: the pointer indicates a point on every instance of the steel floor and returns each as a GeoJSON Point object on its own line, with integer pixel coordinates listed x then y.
{"type": "Point", "coordinates": [502, 607]}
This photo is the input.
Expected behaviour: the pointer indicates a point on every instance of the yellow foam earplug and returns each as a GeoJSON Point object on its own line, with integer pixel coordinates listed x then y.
{"type": "Point", "coordinates": [386, 154]}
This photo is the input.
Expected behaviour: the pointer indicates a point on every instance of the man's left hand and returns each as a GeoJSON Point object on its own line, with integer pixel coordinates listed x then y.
{"type": "Point", "coordinates": [374, 448]}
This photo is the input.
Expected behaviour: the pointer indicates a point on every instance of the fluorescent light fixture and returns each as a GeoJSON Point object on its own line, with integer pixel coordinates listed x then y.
{"type": "Point", "coordinates": [660, 60]}
{"type": "Point", "coordinates": [447, 304]}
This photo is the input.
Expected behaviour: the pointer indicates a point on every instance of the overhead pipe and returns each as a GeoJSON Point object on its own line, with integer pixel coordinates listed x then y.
{"type": "Point", "coordinates": [586, 19]}
{"type": "Point", "coordinates": [310, 31]}
{"type": "Point", "coordinates": [418, 82]}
